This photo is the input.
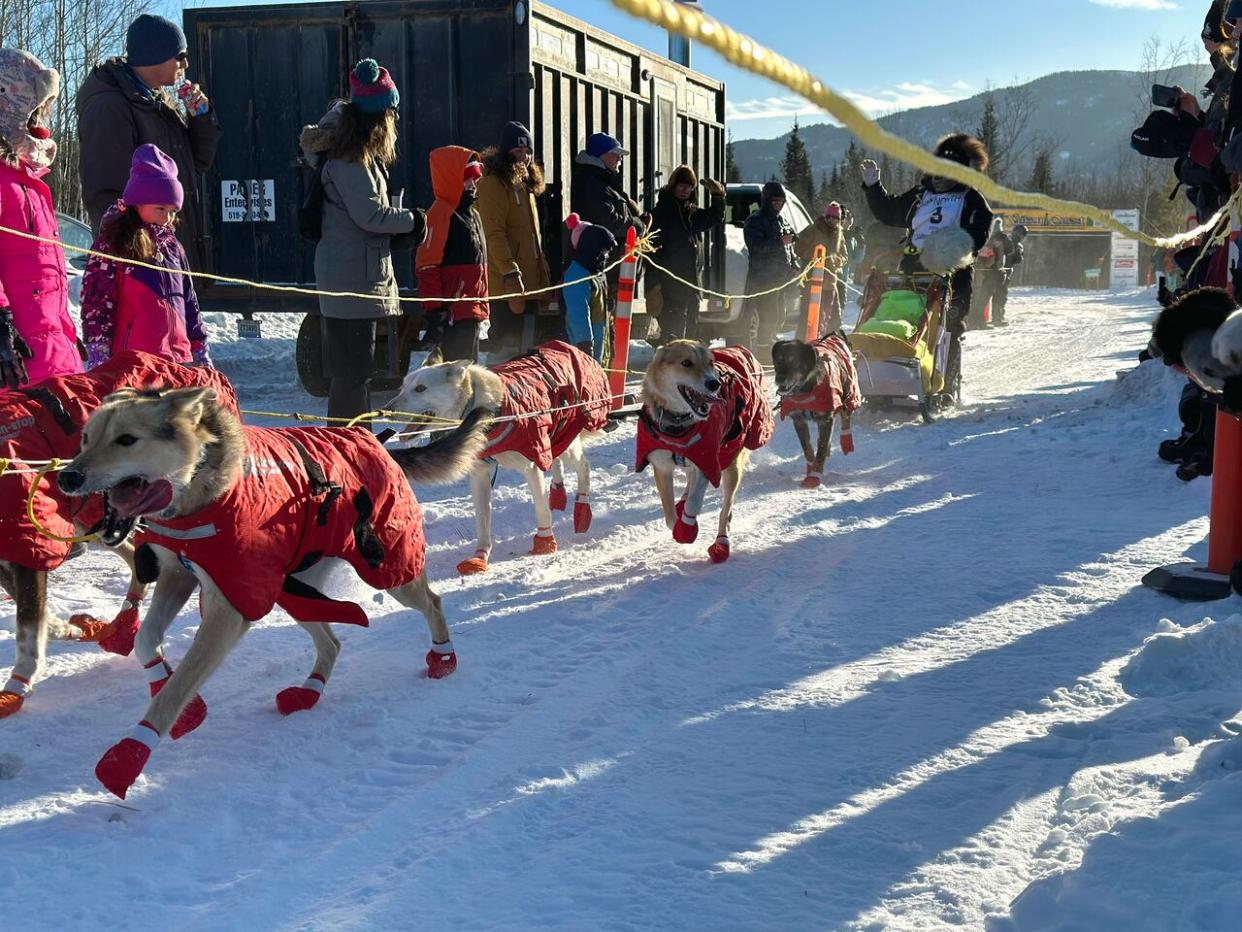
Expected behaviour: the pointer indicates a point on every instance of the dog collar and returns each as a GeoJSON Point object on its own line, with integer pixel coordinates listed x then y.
{"type": "Point", "coordinates": [668, 423]}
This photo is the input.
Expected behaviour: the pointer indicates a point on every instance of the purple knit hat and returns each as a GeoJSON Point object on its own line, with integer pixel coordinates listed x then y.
{"type": "Point", "coordinates": [153, 179]}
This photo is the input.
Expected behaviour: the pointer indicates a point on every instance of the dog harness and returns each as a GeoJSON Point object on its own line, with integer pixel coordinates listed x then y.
{"type": "Point", "coordinates": [44, 421]}
{"type": "Point", "coordinates": [554, 393]}
{"type": "Point", "coordinates": [712, 444]}
{"type": "Point", "coordinates": [836, 389]}
{"type": "Point", "coordinates": [304, 494]}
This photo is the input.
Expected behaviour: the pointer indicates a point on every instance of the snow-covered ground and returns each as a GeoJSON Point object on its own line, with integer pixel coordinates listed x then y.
{"type": "Point", "coordinates": [931, 694]}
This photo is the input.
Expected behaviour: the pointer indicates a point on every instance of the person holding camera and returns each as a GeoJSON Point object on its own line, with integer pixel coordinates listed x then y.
{"type": "Point", "coordinates": [679, 249]}
{"type": "Point", "coordinates": [770, 245]}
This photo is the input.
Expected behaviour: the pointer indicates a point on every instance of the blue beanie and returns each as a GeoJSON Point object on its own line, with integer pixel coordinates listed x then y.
{"type": "Point", "coordinates": [153, 40]}
{"type": "Point", "coordinates": [601, 144]}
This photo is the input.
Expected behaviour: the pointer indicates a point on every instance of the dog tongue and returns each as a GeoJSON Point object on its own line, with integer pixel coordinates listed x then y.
{"type": "Point", "coordinates": [40, 132]}
{"type": "Point", "coordinates": [131, 501]}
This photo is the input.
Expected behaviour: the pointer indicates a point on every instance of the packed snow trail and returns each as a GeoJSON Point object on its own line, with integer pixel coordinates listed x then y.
{"type": "Point", "coordinates": [909, 697]}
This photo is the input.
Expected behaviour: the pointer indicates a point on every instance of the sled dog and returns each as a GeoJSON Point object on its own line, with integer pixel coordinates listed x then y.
{"type": "Point", "coordinates": [817, 382]}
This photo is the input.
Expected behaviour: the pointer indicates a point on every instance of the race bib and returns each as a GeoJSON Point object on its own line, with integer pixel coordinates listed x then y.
{"type": "Point", "coordinates": [936, 211]}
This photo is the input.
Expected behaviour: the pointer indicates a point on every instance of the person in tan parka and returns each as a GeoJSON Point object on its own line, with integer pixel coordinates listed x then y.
{"type": "Point", "coordinates": [827, 231]}
{"type": "Point", "coordinates": [516, 262]}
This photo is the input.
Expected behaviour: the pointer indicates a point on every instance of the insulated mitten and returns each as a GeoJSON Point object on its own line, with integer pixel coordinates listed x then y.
{"type": "Point", "coordinates": [557, 499]}
{"type": "Point", "coordinates": [13, 352]}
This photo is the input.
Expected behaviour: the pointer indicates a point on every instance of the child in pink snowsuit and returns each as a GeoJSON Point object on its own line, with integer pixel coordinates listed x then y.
{"type": "Point", "coordinates": [37, 336]}
{"type": "Point", "coordinates": [131, 306]}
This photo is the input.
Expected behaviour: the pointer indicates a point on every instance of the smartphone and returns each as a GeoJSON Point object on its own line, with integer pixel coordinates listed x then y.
{"type": "Point", "coordinates": [1162, 96]}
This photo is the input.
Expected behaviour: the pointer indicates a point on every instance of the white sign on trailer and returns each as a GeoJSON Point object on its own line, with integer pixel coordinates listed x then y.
{"type": "Point", "coordinates": [1124, 264]}
{"type": "Point", "coordinates": [248, 201]}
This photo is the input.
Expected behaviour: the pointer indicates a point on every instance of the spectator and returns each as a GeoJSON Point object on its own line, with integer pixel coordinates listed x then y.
{"type": "Point", "coordinates": [771, 261]}
{"type": "Point", "coordinates": [679, 249]}
{"type": "Point", "coordinates": [989, 276]}
{"type": "Point", "coordinates": [125, 103]}
{"type": "Point", "coordinates": [827, 231]}
{"type": "Point", "coordinates": [37, 336]}
{"type": "Point", "coordinates": [936, 203]}
{"type": "Point", "coordinates": [452, 263]}
{"type": "Point", "coordinates": [597, 196]}
{"type": "Point", "coordinates": [515, 258]}
{"type": "Point", "coordinates": [131, 307]}
{"type": "Point", "coordinates": [356, 142]}
{"type": "Point", "coordinates": [585, 292]}
{"type": "Point", "coordinates": [1015, 253]}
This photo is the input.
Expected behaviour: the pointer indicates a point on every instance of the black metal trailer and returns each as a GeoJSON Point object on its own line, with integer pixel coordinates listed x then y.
{"type": "Point", "coordinates": [464, 68]}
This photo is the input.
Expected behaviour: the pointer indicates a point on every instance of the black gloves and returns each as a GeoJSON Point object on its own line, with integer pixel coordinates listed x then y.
{"type": "Point", "coordinates": [13, 352]}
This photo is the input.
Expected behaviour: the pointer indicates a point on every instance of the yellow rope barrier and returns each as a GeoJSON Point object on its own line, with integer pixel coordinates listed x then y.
{"type": "Point", "coordinates": [30, 509]}
{"type": "Point", "coordinates": [751, 56]}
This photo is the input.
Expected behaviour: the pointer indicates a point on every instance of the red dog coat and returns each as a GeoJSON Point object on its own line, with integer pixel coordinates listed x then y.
{"type": "Point", "coordinates": [552, 376]}
{"type": "Point", "coordinates": [44, 422]}
{"type": "Point", "coordinates": [743, 420]}
{"type": "Point", "coordinates": [837, 388]}
{"type": "Point", "coordinates": [304, 494]}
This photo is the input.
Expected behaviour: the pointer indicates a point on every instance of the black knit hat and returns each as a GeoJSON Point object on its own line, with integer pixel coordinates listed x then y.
{"type": "Point", "coordinates": [515, 136]}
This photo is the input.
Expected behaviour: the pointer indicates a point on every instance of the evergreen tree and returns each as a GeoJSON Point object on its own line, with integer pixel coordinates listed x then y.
{"type": "Point", "coordinates": [854, 156]}
{"type": "Point", "coordinates": [796, 167]}
{"type": "Point", "coordinates": [989, 126]}
{"type": "Point", "coordinates": [733, 174]}
{"type": "Point", "coordinates": [1041, 173]}
{"type": "Point", "coordinates": [824, 195]}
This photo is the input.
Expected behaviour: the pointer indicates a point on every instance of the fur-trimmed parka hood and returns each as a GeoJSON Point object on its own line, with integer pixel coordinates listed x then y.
{"type": "Point", "coordinates": [498, 164]}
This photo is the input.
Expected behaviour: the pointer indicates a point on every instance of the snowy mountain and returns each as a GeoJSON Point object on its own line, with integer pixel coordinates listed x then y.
{"type": "Point", "coordinates": [1088, 114]}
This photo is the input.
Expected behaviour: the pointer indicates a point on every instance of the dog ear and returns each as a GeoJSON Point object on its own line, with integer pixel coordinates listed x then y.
{"type": "Point", "coordinates": [188, 403]}
{"type": "Point", "coordinates": [434, 358]}
{"type": "Point", "coordinates": [457, 371]}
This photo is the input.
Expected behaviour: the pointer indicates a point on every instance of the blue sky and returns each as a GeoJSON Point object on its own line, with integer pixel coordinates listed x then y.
{"type": "Point", "coordinates": [898, 54]}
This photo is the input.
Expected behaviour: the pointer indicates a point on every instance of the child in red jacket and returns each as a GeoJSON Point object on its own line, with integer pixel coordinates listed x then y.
{"type": "Point", "coordinates": [452, 261]}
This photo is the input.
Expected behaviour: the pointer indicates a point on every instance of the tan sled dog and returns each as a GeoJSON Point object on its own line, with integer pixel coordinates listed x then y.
{"type": "Point", "coordinates": [547, 402]}
{"type": "Point", "coordinates": [251, 515]}
{"type": "Point", "coordinates": [705, 410]}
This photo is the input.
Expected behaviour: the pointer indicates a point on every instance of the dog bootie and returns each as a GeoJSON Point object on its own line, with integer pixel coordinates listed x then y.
{"type": "Point", "coordinates": [544, 543]}
{"type": "Point", "coordinates": [719, 551]}
{"type": "Point", "coordinates": [120, 640]}
{"type": "Point", "coordinates": [14, 695]}
{"type": "Point", "coordinates": [582, 515]}
{"type": "Point", "coordinates": [847, 441]}
{"type": "Point", "coordinates": [91, 628]}
{"type": "Point", "coordinates": [557, 499]}
{"type": "Point", "coordinates": [195, 711]}
{"type": "Point", "coordinates": [122, 763]}
{"type": "Point", "coordinates": [475, 564]}
{"type": "Point", "coordinates": [813, 480]}
{"type": "Point", "coordinates": [301, 698]}
{"type": "Point", "coordinates": [441, 660]}
{"type": "Point", "coordinates": [686, 530]}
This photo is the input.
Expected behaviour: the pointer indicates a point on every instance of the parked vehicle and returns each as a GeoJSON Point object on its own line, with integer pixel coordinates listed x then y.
{"type": "Point", "coordinates": [464, 68]}
{"type": "Point", "coordinates": [74, 232]}
{"type": "Point", "coordinates": [732, 319]}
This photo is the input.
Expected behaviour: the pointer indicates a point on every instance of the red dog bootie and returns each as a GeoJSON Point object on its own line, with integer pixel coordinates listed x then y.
{"type": "Point", "coordinates": [195, 712]}
{"type": "Point", "coordinates": [847, 440]}
{"type": "Point", "coordinates": [441, 660]}
{"type": "Point", "coordinates": [544, 542]}
{"type": "Point", "coordinates": [719, 551]}
{"type": "Point", "coordinates": [813, 479]}
{"type": "Point", "coordinates": [122, 763]}
{"type": "Point", "coordinates": [475, 564]}
{"type": "Point", "coordinates": [300, 698]}
{"type": "Point", "coordinates": [124, 628]}
{"type": "Point", "coordinates": [582, 514]}
{"type": "Point", "coordinates": [14, 695]}
{"type": "Point", "coordinates": [557, 499]}
{"type": "Point", "coordinates": [686, 530]}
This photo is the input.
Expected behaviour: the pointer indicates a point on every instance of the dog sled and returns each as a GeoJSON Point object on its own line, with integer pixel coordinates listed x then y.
{"type": "Point", "coordinates": [901, 342]}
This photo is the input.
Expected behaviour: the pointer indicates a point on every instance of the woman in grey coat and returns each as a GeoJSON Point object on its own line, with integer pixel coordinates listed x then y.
{"type": "Point", "coordinates": [357, 139]}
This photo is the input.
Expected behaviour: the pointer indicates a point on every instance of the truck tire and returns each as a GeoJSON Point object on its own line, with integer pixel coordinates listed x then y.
{"type": "Point", "coordinates": [308, 354]}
